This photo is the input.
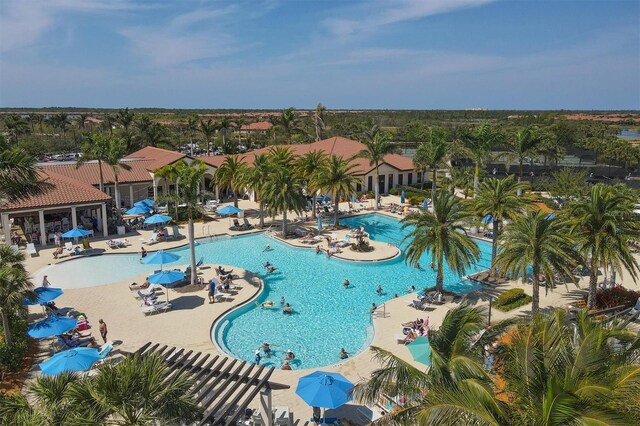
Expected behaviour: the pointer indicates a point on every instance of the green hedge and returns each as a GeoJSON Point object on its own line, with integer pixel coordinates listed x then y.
{"type": "Point", "coordinates": [512, 299]}
{"type": "Point", "coordinates": [11, 357]}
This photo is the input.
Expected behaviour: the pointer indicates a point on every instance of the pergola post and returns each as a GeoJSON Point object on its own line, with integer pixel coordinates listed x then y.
{"type": "Point", "coordinates": [266, 412]}
{"type": "Point", "coordinates": [6, 228]}
{"type": "Point", "coordinates": [74, 219]}
{"type": "Point", "coordinates": [43, 230]}
{"type": "Point", "coordinates": [105, 225]}
{"type": "Point", "coordinates": [130, 195]}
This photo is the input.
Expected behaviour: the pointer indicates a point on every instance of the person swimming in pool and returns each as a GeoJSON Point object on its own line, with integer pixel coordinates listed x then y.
{"type": "Point", "coordinates": [282, 301]}
{"type": "Point", "coordinates": [290, 355]}
{"type": "Point", "coordinates": [344, 354]}
{"type": "Point", "coordinates": [267, 248]}
{"type": "Point", "coordinates": [288, 309]}
{"type": "Point", "coordinates": [379, 290]}
{"type": "Point", "coordinates": [266, 348]}
{"type": "Point", "coordinates": [346, 283]}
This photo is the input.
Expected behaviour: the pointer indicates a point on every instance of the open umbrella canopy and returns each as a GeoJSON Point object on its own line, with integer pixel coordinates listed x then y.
{"type": "Point", "coordinates": [229, 210]}
{"type": "Point", "coordinates": [75, 233]}
{"type": "Point", "coordinates": [421, 350]}
{"type": "Point", "coordinates": [139, 210]}
{"type": "Point", "coordinates": [402, 199]}
{"type": "Point", "coordinates": [160, 258]}
{"type": "Point", "coordinates": [166, 277]}
{"type": "Point", "coordinates": [52, 326]}
{"type": "Point", "coordinates": [44, 295]}
{"type": "Point", "coordinates": [157, 218]}
{"type": "Point", "coordinates": [488, 219]}
{"type": "Point", "coordinates": [144, 203]}
{"type": "Point", "coordinates": [326, 390]}
{"type": "Point", "coordinates": [77, 359]}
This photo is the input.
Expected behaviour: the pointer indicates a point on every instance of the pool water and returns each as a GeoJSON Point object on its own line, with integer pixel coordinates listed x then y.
{"type": "Point", "coordinates": [326, 316]}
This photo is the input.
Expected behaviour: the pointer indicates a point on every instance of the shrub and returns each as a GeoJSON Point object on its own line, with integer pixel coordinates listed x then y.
{"type": "Point", "coordinates": [616, 296]}
{"type": "Point", "coordinates": [394, 191]}
{"type": "Point", "coordinates": [11, 357]}
{"type": "Point", "coordinates": [525, 300]}
{"type": "Point", "coordinates": [512, 299]}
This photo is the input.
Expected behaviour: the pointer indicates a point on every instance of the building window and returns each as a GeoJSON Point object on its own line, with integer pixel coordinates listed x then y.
{"type": "Point", "coordinates": [172, 188]}
{"type": "Point", "coordinates": [150, 191]}
{"type": "Point", "coordinates": [358, 187]}
{"type": "Point", "coordinates": [400, 179]}
{"type": "Point", "coordinates": [370, 183]}
{"type": "Point", "coordinates": [409, 178]}
{"type": "Point", "coordinates": [419, 179]}
{"type": "Point", "coordinates": [390, 182]}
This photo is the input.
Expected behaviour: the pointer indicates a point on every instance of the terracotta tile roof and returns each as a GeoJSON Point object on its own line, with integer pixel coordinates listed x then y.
{"type": "Point", "coordinates": [338, 145]}
{"type": "Point", "coordinates": [90, 172]}
{"type": "Point", "coordinates": [259, 126]}
{"type": "Point", "coordinates": [158, 157]}
{"type": "Point", "coordinates": [65, 191]}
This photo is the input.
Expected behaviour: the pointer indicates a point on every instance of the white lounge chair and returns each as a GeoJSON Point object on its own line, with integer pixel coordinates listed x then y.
{"type": "Point", "coordinates": [153, 309]}
{"type": "Point", "coordinates": [68, 246]}
{"type": "Point", "coordinates": [31, 249]}
{"type": "Point", "coordinates": [15, 248]}
{"type": "Point", "coordinates": [152, 240]}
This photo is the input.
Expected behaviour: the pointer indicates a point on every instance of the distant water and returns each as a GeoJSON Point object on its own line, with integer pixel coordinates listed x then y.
{"type": "Point", "coordinates": [627, 134]}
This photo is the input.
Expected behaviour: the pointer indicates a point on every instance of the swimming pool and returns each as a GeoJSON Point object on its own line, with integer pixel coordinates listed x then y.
{"type": "Point", "coordinates": [327, 316]}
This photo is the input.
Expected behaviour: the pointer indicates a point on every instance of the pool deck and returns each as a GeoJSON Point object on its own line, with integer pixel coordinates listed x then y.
{"type": "Point", "coordinates": [188, 325]}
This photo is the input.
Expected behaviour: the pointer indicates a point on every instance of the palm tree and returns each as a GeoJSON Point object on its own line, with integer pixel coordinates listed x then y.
{"type": "Point", "coordinates": [95, 148]}
{"type": "Point", "coordinates": [223, 127]}
{"type": "Point", "coordinates": [308, 167]}
{"type": "Point", "coordinates": [239, 122]}
{"type": "Point", "coordinates": [208, 128]}
{"type": "Point", "coordinates": [231, 174]}
{"type": "Point", "coordinates": [499, 198]}
{"type": "Point", "coordinates": [561, 372]}
{"type": "Point", "coordinates": [282, 156]}
{"type": "Point", "coordinates": [524, 145]}
{"type": "Point", "coordinates": [16, 126]}
{"type": "Point", "coordinates": [477, 144]}
{"type": "Point", "coordinates": [603, 224]}
{"type": "Point", "coordinates": [15, 286]}
{"type": "Point", "coordinates": [462, 178]}
{"type": "Point", "coordinates": [442, 234]}
{"type": "Point", "coordinates": [169, 173]}
{"type": "Point", "coordinates": [375, 151]}
{"type": "Point", "coordinates": [126, 119]}
{"type": "Point", "coordinates": [337, 178]}
{"type": "Point", "coordinates": [255, 178]}
{"type": "Point", "coordinates": [455, 390]}
{"type": "Point", "coordinates": [433, 154]}
{"type": "Point", "coordinates": [19, 177]}
{"type": "Point", "coordinates": [318, 120]}
{"type": "Point", "coordinates": [283, 193]}
{"type": "Point", "coordinates": [117, 150]}
{"type": "Point", "coordinates": [536, 244]}
{"type": "Point", "coordinates": [289, 122]}
{"type": "Point", "coordinates": [192, 127]}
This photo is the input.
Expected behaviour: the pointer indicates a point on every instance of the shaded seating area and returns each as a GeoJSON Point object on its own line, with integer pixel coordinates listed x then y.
{"type": "Point", "coordinates": [230, 391]}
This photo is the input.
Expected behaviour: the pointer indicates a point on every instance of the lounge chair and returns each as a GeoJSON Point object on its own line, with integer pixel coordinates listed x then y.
{"type": "Point", "coordinates": [153, 309]}
{"type": "Point", "coordinates": [236, 225]}
{"type": "Point", "coordinates": [152, 240]}
{"type": "Point", "coordinates": [68, 247]}
{"type": "Point", "coordinates": [247, 225]}
{"type": "Point", "coordinates": [105, 349]}
{"type": "Point", "coordinates": [31, 249]}
{"type": "Point", "coordinates": [200, 262]}
{"type": "Point", "coordinates": [176, 232]}
{"type": "Point", "coordinates": [418, 304]}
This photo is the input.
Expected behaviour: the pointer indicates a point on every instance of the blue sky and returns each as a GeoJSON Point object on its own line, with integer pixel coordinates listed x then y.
{"type": "Point", "coordinates": [401, 54]}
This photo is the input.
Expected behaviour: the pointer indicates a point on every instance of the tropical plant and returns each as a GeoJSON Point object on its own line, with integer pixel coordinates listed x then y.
{"type": "Point", "coordinates": [126, 119]}
{"type": "Point", "coordinates": [289, 122]}
{"type": "Point", "coordinates": [454, 390]}
{"type": "Point", "coordinates": [255, 178]}
{"type": "Point", "coordinates": [192, 127]}
{"type": "Point", "coordinates": [224, 126]}
{"type": "Point", "coordinates": [535, 245]}
{"type": "Point", "coordinates": [499, 199]}
{"type": "Point", "coordinates": [524, 145]}
{"type": "Point", "coordinates": [95, 148]}
{"type": "Point", "coordinates": [19, 177]}
{"type": "Point", "coordinates": [208, 129]}
{"type": "Point", "coordinates": [231, 174]}
{"type": "Point", "coordinates": [375, 150]}
{"type": "Point", "coordinates": [462, 178]}
{"type": "Point", "coordinates": [117, 150]}
{"type": "Point", "coordinates": [432, 154]}
{"type": "Point", "coordinates": [337, 177]}
{"type": "Point", "coordinates": [188, 180]}
{"type": "Point", "coordinates": [15, 287]}
{"type": "Point", "coordinates": [604, 224]}
{"type": "Point", "coordinates": [16, 126]}
{"type": "Point", "coordinates": [318, 121]}
{"type": "Point", "coordinates": [569, 183]}
{"type": "Point", "coordinates": [138, 390]}
{"type": "Point", "coordinates": [561, 372]}
{"type": "Point", "coordinates": [441, 233]}
{"type": "Point", "coordinates": [282, 156]}
{"type": "Point", "coordinates": [477, 145]}
{"type": "Point", "coordinates": [283, 193]}
{"type": "Point", "coordinates": [308, 167]}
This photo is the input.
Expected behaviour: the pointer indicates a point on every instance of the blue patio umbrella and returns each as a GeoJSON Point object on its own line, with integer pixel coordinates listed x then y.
{"type": "Point", "coordinates": [402, 200]}
{"type": "Point", "coordinates": [421, 350]}
{"type": "Point", "coordinates": [144, 203]}
{"type": "Point", "coordinates": [51, 326]}
{"type": "Point", "coordinates": [488, 219]}
{"type": "Point", "coordinates": [139, 210]}
{"type": "Point", "coordinates": [77, 359]}
{"type": "Point", "coordinates": [229, 210]}
{"type": "Point", "coordinates": [166, 278]}
{"type": "Point", "coordinates": [323, 198]}
{"type": "Point", "coordinates": [44, 295]}
{"type": "Point", "coordinates": [324, 389]}
{"type": "Point", "coordinates": [76, 233]}
{"type": "Point", "coordinates": [319, 223]}
{"type": "Point", "coordinates": [160, 258]}
{"type": "Point", "coordinates": [157, 218]}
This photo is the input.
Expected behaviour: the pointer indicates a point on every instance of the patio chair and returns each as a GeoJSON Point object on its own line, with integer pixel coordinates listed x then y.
{"type": "Point", "coordinates": [176, 232]}
{"type": "Point", "coordinates": [247, 225]}
{"type": "Point", "coordinates": [236, 225]}
{"type": "Point", "coordinates": [154, 309]}
{"type": "Point", "coordinates": [68, 247]}
{"type": "Point", "coordinates": [31, 249]}
{"type": "Point", "coordinates": [152, 240]}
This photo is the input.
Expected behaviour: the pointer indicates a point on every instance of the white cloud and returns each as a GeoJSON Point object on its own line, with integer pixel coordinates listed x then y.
{"type": "Point", "coordinates": [370, 16]}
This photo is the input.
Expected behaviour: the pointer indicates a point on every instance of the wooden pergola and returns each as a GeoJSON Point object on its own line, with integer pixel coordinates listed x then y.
{"type": "Point", "coordinates": [224, 387]}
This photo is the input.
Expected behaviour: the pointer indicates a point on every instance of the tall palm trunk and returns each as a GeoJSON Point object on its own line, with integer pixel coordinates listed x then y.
{"type": "Point", "coordinates": [261, 213]}
{"type": "Point", "coordinates": [376, 187]}
{"type": "Point", "coordinates": [284, 224]}
{"type": "Point", "coordinates": [440, 275]}
{"type": "Point", "coordinates": [593, 284]}
{"type": "Point", "coordinates": [476, 180]}
{"type": "Point", "coordinates": [6, 327]}
{"type": "Point", "coordinates": [535, 302]}
{"type": "Point", "coordinates": [235, 198]}
{"type": "Point", "coordinates": [336, 210]}
{"type": "Point", "coordinates": [521, 170]}
{"type": "Point", "coordinates": [117, 193]}
{"type": "Point", "coordinates": [313, 205]}
{"type": "Point", "coordinates": [434, 187]}
{"type": "Point", "coordinates": [192, 249]}
{"type": "Point", "coordinates": [494, 245]}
